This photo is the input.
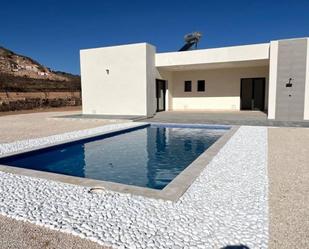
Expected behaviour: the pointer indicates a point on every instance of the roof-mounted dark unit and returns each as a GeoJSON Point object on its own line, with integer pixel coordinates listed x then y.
{"type": "Point", "coordinates": [190, 40]}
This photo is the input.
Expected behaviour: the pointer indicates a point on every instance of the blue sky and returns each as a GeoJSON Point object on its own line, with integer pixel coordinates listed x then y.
{"type": "Point", "coordinates": [53, 32]}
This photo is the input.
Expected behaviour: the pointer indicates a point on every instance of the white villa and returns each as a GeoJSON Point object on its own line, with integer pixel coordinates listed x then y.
{"type": "Point", "coordinates": [135, 80]}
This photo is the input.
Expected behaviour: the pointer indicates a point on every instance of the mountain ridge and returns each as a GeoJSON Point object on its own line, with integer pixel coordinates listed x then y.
{"type": "Point", "coordinates": [20, 73]}
{"type": "Point", "coordinates": [18, 65]}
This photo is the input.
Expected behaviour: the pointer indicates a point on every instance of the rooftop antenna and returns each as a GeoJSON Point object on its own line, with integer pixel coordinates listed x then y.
{"type": "Point", "coordinates": [190, 40]}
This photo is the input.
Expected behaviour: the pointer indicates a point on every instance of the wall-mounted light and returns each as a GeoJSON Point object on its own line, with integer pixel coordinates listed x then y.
{"type": "Point", "coordinates": [107, 71]}
{"type": "Point", "coordinates": [289, 84]}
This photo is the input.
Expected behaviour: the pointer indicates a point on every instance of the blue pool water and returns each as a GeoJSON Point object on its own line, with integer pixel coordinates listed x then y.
{"type": "Point", "coordinates": [150, 156]}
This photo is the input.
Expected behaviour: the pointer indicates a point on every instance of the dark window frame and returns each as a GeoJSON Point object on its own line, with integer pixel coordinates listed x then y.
{"type": "Point", "coordinates": [201, 88]}
{"type": "Point", "coordinates": [188, 86]}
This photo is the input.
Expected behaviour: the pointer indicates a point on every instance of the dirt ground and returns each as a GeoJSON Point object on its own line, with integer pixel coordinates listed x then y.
{"type": "Point", "coordinates": [288, 169]}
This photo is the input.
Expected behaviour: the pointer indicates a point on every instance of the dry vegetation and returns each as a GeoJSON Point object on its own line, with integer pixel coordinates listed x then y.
{"type": "Point", "coordinates": [25, 84]}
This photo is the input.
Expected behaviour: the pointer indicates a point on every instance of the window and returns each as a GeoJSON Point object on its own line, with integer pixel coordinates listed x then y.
{"type": "Point", "coordinates": [188, 86]}
{"type": "Point", "coordinates": [201, 85]}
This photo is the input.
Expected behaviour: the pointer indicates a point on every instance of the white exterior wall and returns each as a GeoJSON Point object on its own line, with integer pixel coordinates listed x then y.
{"type": "Point", "coordinates": [120, 80]}
{"type": "Point", "coordinates": [151, 72]}
{"type": "Point", "coordinates": [273, 62]}
{"type": "Point", "coordinates": [222, 88]}
{"type": "Point", "coordinates": [306, 109]}
{"type": "Point", "coordinates": [127, 88]}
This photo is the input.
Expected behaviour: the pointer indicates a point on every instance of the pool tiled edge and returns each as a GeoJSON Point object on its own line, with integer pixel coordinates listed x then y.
{"type": "Point", "coordinates": [173, 191]}
{"type": "Point", "coordinates": [15, 148]}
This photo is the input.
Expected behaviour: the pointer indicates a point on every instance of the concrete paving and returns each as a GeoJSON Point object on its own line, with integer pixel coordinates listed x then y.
{"type": "Point", "coordinates": [252, 118]}
{"type": "Point", "coordinates": [288, 169]}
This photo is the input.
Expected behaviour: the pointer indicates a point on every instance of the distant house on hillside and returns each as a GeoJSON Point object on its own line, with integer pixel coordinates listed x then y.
{"type": "Point", "coordinates": [42, 73]}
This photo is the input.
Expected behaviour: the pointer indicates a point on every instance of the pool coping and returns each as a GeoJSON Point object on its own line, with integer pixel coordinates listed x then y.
{"type": "Point", "coordinates": [172, 192]}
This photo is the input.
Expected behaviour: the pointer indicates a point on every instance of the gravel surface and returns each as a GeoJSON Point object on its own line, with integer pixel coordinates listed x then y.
{"type": "Point", "coordinates": [34, 125]}
{"type": "Point", "coordinates": [288, 171]}
{"type": "Point", "coordinates": [226, 205]}
{"type": "Point", "coordinates": [24, 235]}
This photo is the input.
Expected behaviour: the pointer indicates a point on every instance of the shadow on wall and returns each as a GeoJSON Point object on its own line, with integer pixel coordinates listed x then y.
{"type": "Point", "coordinates": [207, 93]}
{"type": "Point", "coordinates": [235, 247]}
{"type": "Point", "coordinates": [220, 82]}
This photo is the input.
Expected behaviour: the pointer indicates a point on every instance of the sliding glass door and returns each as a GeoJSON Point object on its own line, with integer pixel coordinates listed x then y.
{"type": "Point", "coordinates": [252, 94]}
{"type": "Point", "coordinates": [160, 94]}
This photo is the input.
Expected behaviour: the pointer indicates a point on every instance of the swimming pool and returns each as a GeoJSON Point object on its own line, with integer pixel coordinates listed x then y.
{"type": "Point", "coordinates": [147, 156]}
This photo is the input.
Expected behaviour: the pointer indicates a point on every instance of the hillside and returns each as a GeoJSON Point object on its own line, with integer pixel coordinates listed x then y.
{"type": "Point", "coordinates": [27, 84]}
{"type": "Point", "coordinates": [20, 73]}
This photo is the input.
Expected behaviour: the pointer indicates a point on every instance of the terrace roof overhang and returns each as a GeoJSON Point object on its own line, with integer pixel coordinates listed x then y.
{"type": "Point", "coordinates": [215, 58]}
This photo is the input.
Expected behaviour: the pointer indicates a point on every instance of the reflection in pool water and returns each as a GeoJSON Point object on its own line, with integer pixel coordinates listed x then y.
{"type": "Point", "coordinates": [148, 157]}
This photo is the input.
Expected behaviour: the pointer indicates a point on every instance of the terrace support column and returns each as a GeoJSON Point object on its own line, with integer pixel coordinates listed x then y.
{"type": "Point", "coordinates": [291, 79]}
{"type": "Point", "coordinates": [273, 62]}
{"type": "Point", "coordinates": [306, 111]}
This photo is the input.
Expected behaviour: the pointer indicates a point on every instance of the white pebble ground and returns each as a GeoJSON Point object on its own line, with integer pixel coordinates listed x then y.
{"type": "Point", "coordinates": [226, 205]}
